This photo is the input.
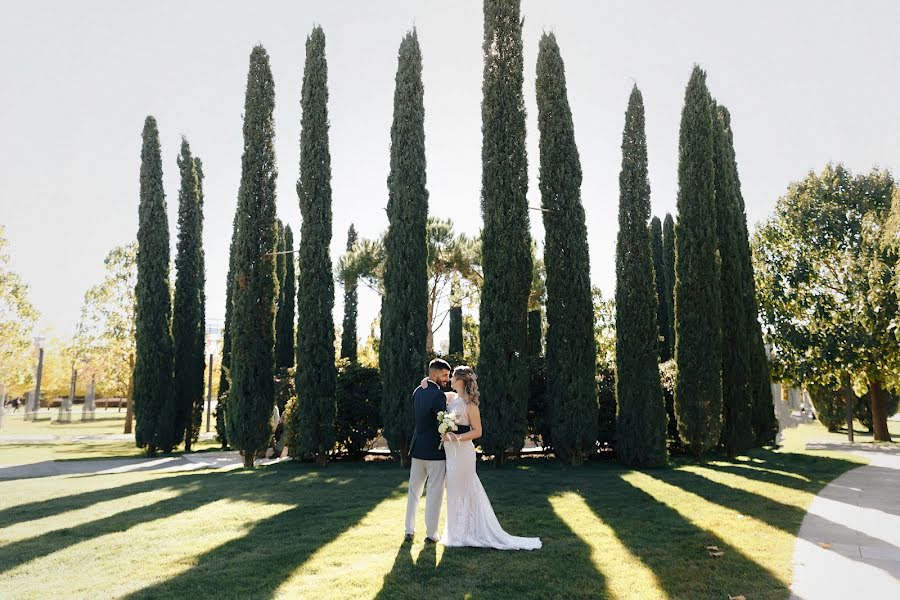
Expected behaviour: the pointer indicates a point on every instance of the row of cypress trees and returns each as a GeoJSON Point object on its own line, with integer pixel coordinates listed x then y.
{"type": "Point", "coordinates": [169, 358]}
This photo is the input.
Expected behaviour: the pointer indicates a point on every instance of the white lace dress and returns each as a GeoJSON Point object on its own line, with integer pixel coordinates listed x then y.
{"type": "Point", "coordinates": [470, 517]}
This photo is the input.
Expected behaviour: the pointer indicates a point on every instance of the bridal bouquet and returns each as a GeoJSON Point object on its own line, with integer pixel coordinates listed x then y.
{"type": "Point", "coordinates": [446, 422]}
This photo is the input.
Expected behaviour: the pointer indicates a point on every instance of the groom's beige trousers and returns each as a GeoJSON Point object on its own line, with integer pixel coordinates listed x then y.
{"type": "Point", "coordinates": [434, 472]}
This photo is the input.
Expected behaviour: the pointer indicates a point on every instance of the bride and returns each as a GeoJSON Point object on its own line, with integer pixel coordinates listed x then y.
{"type": "Point", "coordinates": [470, 517]}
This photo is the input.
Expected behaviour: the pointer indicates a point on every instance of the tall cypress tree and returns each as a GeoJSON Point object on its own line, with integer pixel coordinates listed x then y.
{"type": "Point", "coordinates": [698, 308]}
{"type": "Point", "coordinates": [348, 337]}
{"type": "Point", "coordinates": [659, 272]}
{"type": "Point", "coordinates": [641, 413]}
{"type": "Point", "coordinates": [225, 371]}
{"type": "Point", "coordinates": [280, 274]}
{"type": "Point", "coordinates": [737, 432]}
{"type": "Point", "coordinates": [188, 326]}
{"type": "Point", "coordinates": [255, 287]}
{"type": "Point", "coordinates": [285, 337]}
{"type": "Point", "coordinates": [316, 371]}
{"type": "Point", "coordinates": [762, 415]}
{"type": "Point", "coordinates": [669, 268]}
{"type": "Point", "coordinates": [456, 347]}
{"type": "Point", "coordinates": [403, 315]}
{"type": "Point", "coordinates": [506, 240]}
{"type": "Point", "coordinates": [154, 399]}
{"type": "Point", "coordinates": [571, 347]}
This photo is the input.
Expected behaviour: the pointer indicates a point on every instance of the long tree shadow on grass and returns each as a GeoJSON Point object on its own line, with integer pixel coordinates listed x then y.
{"type": "Point", "coordinates": [193, 491]}
{"type": "Point", "coordinates": [674, 548]}
{"type": "Point", "coordinates": [256, 564]}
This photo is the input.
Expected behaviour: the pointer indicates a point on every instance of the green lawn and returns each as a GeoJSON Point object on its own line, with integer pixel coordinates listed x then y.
{"type": "Point", "coordinates": [73, 441]}
{"type": "Point", "coordinates": [297, 531]}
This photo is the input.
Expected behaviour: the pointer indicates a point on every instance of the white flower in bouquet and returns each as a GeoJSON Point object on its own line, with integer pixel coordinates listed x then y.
{"type": "Point", "coordinates": [446, 422]}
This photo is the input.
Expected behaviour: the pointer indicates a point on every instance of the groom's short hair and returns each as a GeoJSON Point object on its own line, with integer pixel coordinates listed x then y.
{"type": "Point", "coordinates": [439, 364]}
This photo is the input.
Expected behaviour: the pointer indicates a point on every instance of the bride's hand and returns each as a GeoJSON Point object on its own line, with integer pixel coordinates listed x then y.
{"type": "Point", "coordinates": [424, 383]}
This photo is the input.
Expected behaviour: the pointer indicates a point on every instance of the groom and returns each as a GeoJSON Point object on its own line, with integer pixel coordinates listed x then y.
{"type": "Point", "coordinates": [428, 461]}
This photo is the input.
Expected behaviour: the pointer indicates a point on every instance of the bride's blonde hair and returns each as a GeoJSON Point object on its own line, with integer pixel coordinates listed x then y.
{"type": "Point", "coordinates": [468, 377]}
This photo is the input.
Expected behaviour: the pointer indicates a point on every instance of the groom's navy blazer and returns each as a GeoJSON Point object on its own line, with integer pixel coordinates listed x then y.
{"type": "Point", "coordinates": [426, 439]}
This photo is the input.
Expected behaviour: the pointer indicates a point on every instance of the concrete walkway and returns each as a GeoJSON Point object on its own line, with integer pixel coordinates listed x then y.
{"type": "Point", "coordinates": [849, 542]}
{"type": "Point", "coordinates": [187, 462]}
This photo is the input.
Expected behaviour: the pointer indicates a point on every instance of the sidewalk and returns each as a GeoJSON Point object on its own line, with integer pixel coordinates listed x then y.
{"type": "Point", "coordinates": [849, 542]}
{"type": "Point", "coordinates": [187, 462]}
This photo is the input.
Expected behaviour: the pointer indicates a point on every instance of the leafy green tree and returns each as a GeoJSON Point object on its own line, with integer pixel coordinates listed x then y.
{"type": "Point", "coordinates": [154, 398]}
{"type": "Point", "coordinates": [571, 353]}
{"type": "Point", "coordinates": [403, 319]}
{"type": "Point", "coordinates": [824, 280]}
{"type": "Point", "coordinates": [251, 395]}
{"type": "Point", "coordinates": [641, 413]}
{"type": "Point", "coordinates": [17, 320]}
{"type": "Point", "coordinates": [316, 371]}
{"type": "Point", "coordinates": [698, 301]}
{"type": "Point", "coordinates": [348, 339]}
{"type": "Point", "coordinates": [189, 320]}
{"type": "Point", "coordinates": [506, 240]}
{"type": "Point", "coordinates": [663, 310]}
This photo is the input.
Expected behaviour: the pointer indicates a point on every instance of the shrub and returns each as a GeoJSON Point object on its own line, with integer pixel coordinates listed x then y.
{"type": "Point", "coordinates": [358, 419]}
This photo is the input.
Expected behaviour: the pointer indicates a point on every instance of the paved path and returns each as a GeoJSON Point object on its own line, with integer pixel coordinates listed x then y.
{"type": "Point", "coordinates": [186, 462]}
{"type": "Point", "coordinates": [849, 542]}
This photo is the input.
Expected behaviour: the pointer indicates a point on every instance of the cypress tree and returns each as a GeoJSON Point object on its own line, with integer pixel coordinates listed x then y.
{"type": "Point", "coordinates": [316, 373]}
{"type": "Point", "coordinates": [287, 295]}
{"type": "Point", "coordinates": [571, 347]}
{"type": "Point", "coordinates": [456, 331]}
{"type": "Point", "coordinates": [154, 401]}
{"type": "Point", "coordinates": [225, 371]}
{"type": "Point", "coordinates": [669, 268]}
{"type": "Point", "coordinates": [403, 316]}
{"type": "Point", "coordinates": [255, 288]}
{"type": "Point", "coordinates": [535, 334]}
{"type": "Point", "coordinates": [762, 412]}
{"type": "Point", "coordinates": [698, 309]}
{"type": "Point", "coordinates": [506, 240]}
{"type": "Point", "coordinates": [348, 337]}
{"type": "Point", "coordinates": [188, 320]}
{"type": "Point", "coordinates": [659, 272]}
{"type": "Point", "coordinates": [641, 412]}
{"type": "Point", "coordinates": [737, 431]}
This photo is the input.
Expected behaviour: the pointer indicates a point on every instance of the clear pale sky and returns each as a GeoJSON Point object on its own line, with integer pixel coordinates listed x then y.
{"type": "Point", "coordinates": [806, 82]}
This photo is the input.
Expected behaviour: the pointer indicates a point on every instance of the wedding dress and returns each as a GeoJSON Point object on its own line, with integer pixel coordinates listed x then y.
{"type": "Point", "coordinates": [470, 517]}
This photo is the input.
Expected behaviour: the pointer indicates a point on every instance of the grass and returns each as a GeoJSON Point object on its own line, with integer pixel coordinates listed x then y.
{"type": "Point", "coordinates": [293, 530]}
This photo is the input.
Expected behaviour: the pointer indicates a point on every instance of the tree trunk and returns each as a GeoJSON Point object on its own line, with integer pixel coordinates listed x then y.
{"type": "Point", "coordinates": [850, 400]}
{"type": "Point", "coordinates": [129, 407]}
{"type": "Point", "coordinates": [249, 457]}
{"type": "Point", "coordinates": [879, 418]}
{"type": "Point", "coordinates": [404, 455]}
{"type": "Point", "coordinates": [500, 459]}
{"type": "Point", "coordinates": [321, 459]}
{"type": "Point", "coordinates": [429, 334]}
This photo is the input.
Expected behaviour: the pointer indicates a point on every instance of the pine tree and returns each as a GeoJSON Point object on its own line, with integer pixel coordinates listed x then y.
{"type": "Point", "coordinates": [225, 370]}
{"type": "Point", "coordinates": [285, 338]}
{"type": "Point", "coordinates": [698, 309]}
{"type": "Point", "coordinates": [403, 317]}
{"type": "Point", "coordinates": [255, 287]}
{"type": "Point", "coordinates": [316, 371]}
{"type": "Point", "coordinates": [348, 338]}
{"type": "Point", "coordinates": [641, 412]}
{"type": "Point", "coordinates": [571, 347]}
{"type": "Point", "coordinates": [669, 267]}
{"type": "Point", "coordinates": [154, 399]}
{"type": "Point", "coordinates": [737, 431]}
{"type": "Point", "coordinates": [506, 240]}
{"type": "Point", "coordinates": [762, 413]}
{"type": "Point", "coordinates": [659, 272]}
{"type": "Point", "coordinates": [188, 320]}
